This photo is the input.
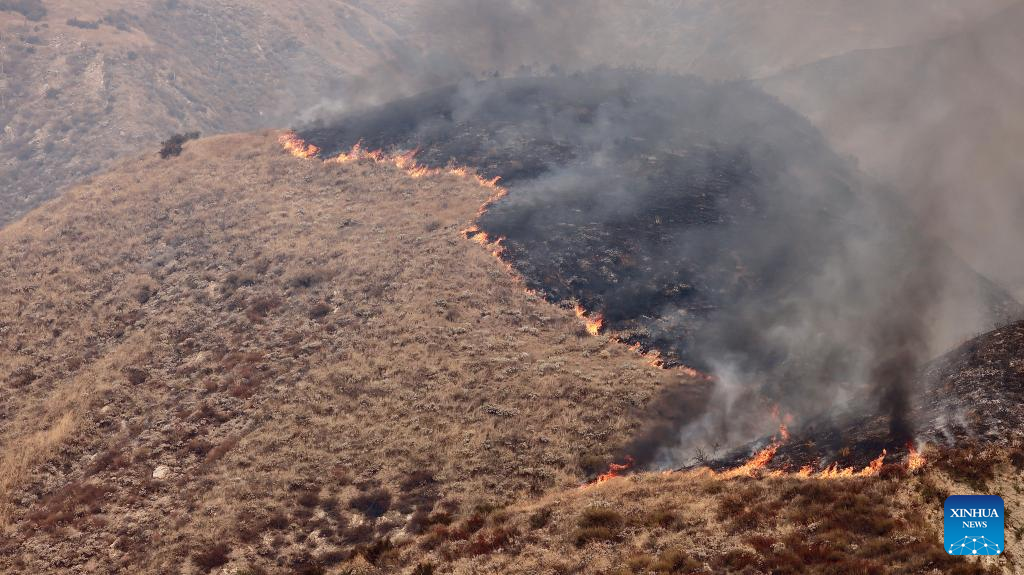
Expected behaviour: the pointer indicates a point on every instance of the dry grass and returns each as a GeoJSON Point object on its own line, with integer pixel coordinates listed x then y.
{"type": "Point", "coordinates": [429, 417]}
{"type": "Point", "coordinates": [692, 523]}
{"type": "Point", "coordinates": [269, 329]}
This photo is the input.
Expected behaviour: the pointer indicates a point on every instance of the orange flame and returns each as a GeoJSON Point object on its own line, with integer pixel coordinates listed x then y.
{"type": "Point", "coordinates": [874, 467]}
{"type": "Point", "coordinates": [296, 146]}
{"type": "Point", "coordinates": [757, 462]}
{"type": "Point", "coordinates": [594, 323]}
{"type": "Point", "coordinates": [915, 460]}
{"type": "Point", "coordinates": [614, 470]}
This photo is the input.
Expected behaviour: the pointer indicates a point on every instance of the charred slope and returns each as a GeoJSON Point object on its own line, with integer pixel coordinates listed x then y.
{"type": "Point", "coordinates": [698, 220]}
{"type": "Point", "coordinates": [633, 194]}
{"type": "Point", "coordinates": [972, 395]}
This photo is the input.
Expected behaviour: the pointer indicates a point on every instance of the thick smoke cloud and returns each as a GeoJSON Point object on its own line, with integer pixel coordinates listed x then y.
{"type": "Point", "coordinates": [854, 289]}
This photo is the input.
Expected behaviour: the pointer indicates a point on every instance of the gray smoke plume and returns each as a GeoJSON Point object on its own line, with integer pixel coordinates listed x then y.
{"type": "Point", "coordinates": [837, 287]}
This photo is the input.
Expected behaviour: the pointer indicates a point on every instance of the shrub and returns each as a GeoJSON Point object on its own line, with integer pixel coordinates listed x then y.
{"type": "Point", "coordinates": [601, 517]}
{"type": "Point", "coordinates": [491, 540]}
{"type": "Point", "coordinates": [212, 557]}
{"type": "Point", "coordinates": [30, 9]}
{"type": "Point", "coordinates": [135, 376]}
{"type": "Point", "coordinates": [306, 277]}
{"type": "Point", "coordinates": [261, 306]}
{"type": "Point", "coordinates": [592, 464]}
{"type": "Point", "coordinates": [418, 522]}
{"type": "Point", "coordinates": [173, 146]}
{"type": "Point", "coordinates": [319, 310]}
{"type": "Point", "coordinates": [664, 518]}
{"type": "Point", "coordinates": [199, 446]}
{"type": "Point", "coordinates": [973, 465]}
{"type": "Point", "coordinates": [372, 504]}
{"type": "Point", "coordinates": [67, 504]}
{"type": "Point", "coordinates": [540, 518]}
{"type": "Point", "coordinates": [278, 520]}
{"type": "Point", "coordinates": [588, 534]}
{"type": "Point", "coordinates": [424, 569]}
{"type": "Point", "coordinates": [419, 490]}
{"type": "Point", "coordinates": [84, 24]}
{"type": "Point", "coordinates": [377, 552]}
{"type": "Point", "coordinates": [218, 452]}
{"type": "Point", "coordinates": [22, 377]}
{"type": "Point", "coordinates": [598, 524]}
{"type": "Point", "coordinates": [675, 561]}
{"type": "Point", "coordinates": [309, 498]}
{"type": "Point", "coordinates": [1017, 459]}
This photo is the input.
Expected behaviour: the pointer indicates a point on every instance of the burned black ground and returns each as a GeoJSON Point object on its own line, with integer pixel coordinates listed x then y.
{"type": "Point", "coordinates": [706, 222]}
{"type": "Point", "coordinates": [970, 396]}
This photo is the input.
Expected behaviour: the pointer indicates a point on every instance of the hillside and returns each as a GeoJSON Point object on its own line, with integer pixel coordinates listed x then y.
{"type": "Point", "coordinates": [238, 361]}
{"type": "Point", "coordinates": [82, 83]}
{"type": "Point", "coordinates": [280, 336]}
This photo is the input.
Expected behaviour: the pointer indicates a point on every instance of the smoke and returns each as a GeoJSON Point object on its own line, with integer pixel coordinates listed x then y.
{"type": "Point", "coordinates": [705, 220]}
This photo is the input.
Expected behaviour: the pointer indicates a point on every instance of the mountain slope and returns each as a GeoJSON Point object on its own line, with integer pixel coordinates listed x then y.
{"type": "Point", "coordinates": [82, 83]}
{"type": "Point", "coordinates": [284, 339]}
{"type": "Point", "coordinates": [87, 82]}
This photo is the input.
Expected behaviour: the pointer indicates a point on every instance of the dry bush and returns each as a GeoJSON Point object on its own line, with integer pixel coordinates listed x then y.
{"type": "Point", "coordinates": [172, 146]}
{"type": "Point", "coordinates": [218, 452]}
{"type": "Point", "coordinates": [664, 518]}
{"type": "Point", "coordinates": [306, 277]}
{"type": "Point", "coordinates": [675, 561]}
{"type": "Point", "coordinates": [212, 556]}
{"type": "Point", "coordinates": [31, 9]}
{"type": "Point", "coordinates": [540, 518]}
{"type": "Point", "coordinates": [66, 505]}
{"type": "Point", "coordinates": [135, 376]}
{"type": "Point", "coordinates": [423, 569]}
{"type": "Point", "coordinates": [492, 539]}
{"type": "Point", "coordinates": [971, 464]}
{"type": "Point", "coordinates": [373, 504]}
{"type": "Point", "coordinates": [319, 310]}
{"type": "Point", "coordinates": [380, 552]}
{"type": "Point", "coordinates": [308, 498]}
{"type": "Point", "coordinates": [597, 524]}
{"type": "Point", "coordinates": [260, 306]}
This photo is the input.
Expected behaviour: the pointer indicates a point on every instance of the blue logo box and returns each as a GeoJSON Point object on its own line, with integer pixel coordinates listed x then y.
{"type": "Point", "coordinates": [973, 525]}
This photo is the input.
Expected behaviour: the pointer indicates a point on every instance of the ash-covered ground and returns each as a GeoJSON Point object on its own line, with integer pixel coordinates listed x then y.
{"type": "Point", "coordinates": [706, 222]}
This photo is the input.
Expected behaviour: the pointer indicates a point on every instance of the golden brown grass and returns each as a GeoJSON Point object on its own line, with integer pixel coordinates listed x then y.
{"type": "Point", "coordinates": [335, 381]}
{"type": "Point", "coordinates": [270, 329]}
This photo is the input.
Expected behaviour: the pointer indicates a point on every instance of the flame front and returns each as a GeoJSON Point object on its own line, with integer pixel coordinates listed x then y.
{"type": "Point", "coordinates": [759, 461]}
{"type": "Point", "coordinates": [915, 460]}
{"type": "Point", "coordinates": [614, 470]}
{"type": "Point", "coordinates": [297, 147]}
{"type": "Point", "coordinates": [593, 322]}
{"type": "Point", "coordinates": [406, 161]}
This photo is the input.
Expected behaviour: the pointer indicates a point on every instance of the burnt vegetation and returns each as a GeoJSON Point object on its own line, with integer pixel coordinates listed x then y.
{"type": "Point", "coordinates": [697, 220]}
{"type": "Point", "coordinates": [173, 146]}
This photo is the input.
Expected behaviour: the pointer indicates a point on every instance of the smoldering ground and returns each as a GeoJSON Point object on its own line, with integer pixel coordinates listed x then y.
{"type": "Point", "coordinates": [705, 221]}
